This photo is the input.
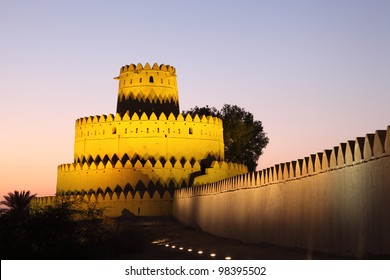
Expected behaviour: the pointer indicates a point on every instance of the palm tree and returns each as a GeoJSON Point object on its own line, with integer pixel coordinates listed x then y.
{"type": "Point", "coordinates": [17, 202]}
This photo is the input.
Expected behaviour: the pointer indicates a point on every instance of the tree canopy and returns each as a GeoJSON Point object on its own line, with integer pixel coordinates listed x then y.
{"type": "Point", "coordinates": [244, 137]}
{"type": "Point", "coordinates": [17, 202]}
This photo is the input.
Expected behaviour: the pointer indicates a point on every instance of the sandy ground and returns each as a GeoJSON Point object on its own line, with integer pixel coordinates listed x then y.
{"type": "Point", "coordinates": [167, 239]}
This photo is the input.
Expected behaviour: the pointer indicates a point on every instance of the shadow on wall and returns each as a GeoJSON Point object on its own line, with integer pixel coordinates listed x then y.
{"type": "Point", "coordinates": [336, 201]}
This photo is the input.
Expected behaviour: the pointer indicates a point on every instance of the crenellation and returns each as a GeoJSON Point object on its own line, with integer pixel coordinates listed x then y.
{"type": "Point", "coordinates": [276, 172]}
{"type": "Point", "coordinates": [359, 149]}
{"type": "Point", "coordinates": [341, 155]}
{"type": "Point", "coordinates": [311, 164]}
{"type": "Point", "coordinates": [318, 162]}
{"type": "Point", "coordinates": [387, 141]}
{"type": "Point", "coordinates": [147, 149]}
{"type": "Point", "coordinates": [368, 146]}
{"type": "Point", "coordinates": [379, 143]}
{"type": "Point", "coordinates": [326, 159]}
{"type": "Point", "coordinates": [349, 152]}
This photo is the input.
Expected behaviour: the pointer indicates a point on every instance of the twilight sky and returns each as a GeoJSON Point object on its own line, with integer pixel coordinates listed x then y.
{"type": "Point", "coordinates": [316, 73]}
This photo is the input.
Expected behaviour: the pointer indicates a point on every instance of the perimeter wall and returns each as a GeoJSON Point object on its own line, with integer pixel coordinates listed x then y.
{"type": "Point", "coordinates": [336, 201]}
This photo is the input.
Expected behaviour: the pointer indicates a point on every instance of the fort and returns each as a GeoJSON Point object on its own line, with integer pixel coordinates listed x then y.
{"type": "Point", "coordinates": [133, 161]}
{"type": "Point", "coordinates": [150, 160]}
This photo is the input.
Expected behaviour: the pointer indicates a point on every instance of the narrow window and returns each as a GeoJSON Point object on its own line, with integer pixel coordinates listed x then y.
{"type": "Point", "coordinates": [158, 130]}
{"type": "Point", "coordinates": [162, 81]}
{"type": "Point", "coordinates": [131, 81]}
{"type": "Point", "coordinates": [147, 130]}
{"type": "Point", "coordinates": [178, 130]}
{"type": "Point", "coordinates": [125, 130]}
{"type": "Point", "coordinates": [190, 131]}
{"type": "Point", "coordinates": [151, 80]}
{"type": "Point", "coordinates": [169, 130]}
{"type": "Point", "coordinates": [114, 130]}
{"type": "Point", "coordinates": [136, 130]}
{"type": "Point", "coordinates": [140, 80]}
{"type": "Point", "coordinates": [103, 132]}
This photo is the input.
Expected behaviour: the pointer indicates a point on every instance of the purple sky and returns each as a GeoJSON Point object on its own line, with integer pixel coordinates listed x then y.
{"type": "Point", "coordinates": [316, 73]}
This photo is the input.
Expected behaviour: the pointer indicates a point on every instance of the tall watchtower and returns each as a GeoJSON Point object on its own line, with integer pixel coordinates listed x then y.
{"type": "Point", "coordinates": [145, 89]}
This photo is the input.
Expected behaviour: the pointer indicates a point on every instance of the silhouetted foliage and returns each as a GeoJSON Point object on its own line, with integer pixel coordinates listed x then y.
{"type": "Point", "coordinates": [244, 137]}
{"type": "Point", "coordinates": [68, 229]}
{"type": "Point", "coordinates": [17, 203]}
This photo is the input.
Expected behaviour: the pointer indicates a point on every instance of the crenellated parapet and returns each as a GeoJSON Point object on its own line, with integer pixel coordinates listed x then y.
{"type": "Point", "coordinates": [351, 153]}
{"type": "Point", "coordinates": [136, 159]}
{"type": "Point", "coordinates": [147, 89]}
{"type": "Point", "coordinates": [118, 201]}
{"type": "Point", "coordinates": [149, 136]}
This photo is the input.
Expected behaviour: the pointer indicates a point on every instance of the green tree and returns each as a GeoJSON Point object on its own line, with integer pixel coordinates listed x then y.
{"type": "Point", "coordinates": [244, 137]}
{"type": "Point", "coordinates": [17, 202]}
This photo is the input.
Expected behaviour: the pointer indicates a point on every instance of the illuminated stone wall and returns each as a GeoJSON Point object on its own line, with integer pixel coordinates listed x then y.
{"type": "Point", "coordinates": [142, 189]}
{"type": "Point", "coordinates": [336, 201]}
{"type": "Point", "coordinates": [145, 89]}
{"type": "Point", "coordinates": [134, 160]}
{"type": "Point", "coordinates": [179, 137]}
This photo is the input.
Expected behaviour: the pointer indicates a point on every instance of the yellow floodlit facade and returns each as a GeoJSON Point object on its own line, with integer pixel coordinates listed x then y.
{"type": "Point", "coordinates": [133, 161]}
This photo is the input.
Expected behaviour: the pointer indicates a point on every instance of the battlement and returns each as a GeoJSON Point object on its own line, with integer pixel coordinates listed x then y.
{"type": "Point", "coordinates": [139, 67]}
{"type": "Point", "coordinates": [135, 117]}
{"type": "Point", "coordinates": [147, 89]}
{"type": "Point", "coordinates": [156, 136]}
{"type": "Point", "coordinates": [125, 162]}
{"type": "Point", "coordinates": [335, 201]}
{"type": "Point", "coordinates": [351, 153]}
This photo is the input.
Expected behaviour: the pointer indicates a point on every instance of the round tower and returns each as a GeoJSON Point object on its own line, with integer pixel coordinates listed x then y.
{"type": "Point", "coordinates": [145, 89]}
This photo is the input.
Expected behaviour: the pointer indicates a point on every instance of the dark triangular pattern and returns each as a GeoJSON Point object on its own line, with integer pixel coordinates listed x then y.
{"type": "Point", "coordinates": [98, 159]}
{"type": "Point", "coordinates": [118, 190]}
{"type": "Point", "coordinates": [183, 184]}
{"type": "Point", "coordinates": [183, 161]}
{"type": "Point", "coordinates": [151, 189]}
{"type": "Point", "coordinates": [160, 188]}
{"type": "Point", "coordinates": [106, 159]}
{"type": "Point", "coordinates": [90, 160]}
{"type": "Point", "coordinates": [124, 159]}
{"type": "Point", "coordinates": [129, 189]}
{"type": "Point", "coordinates": [163, 160]}
{"type": "Point", "coordinates": [172, 160]}
{"type": "Point", "coordinates": [171, 187]}
{"type": "Point", "coordinates": [140, 188]}
{"type": "Point", "coordinates": [114, 159]}
{"type": "Point", "coordinates": [193, 161]}
{"type": "Point", "coordinates": [135, 104]}
{"type": "Point", "coordinates": [152, 160]}
{"type": "Point", "coordinates": [135, 158]}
